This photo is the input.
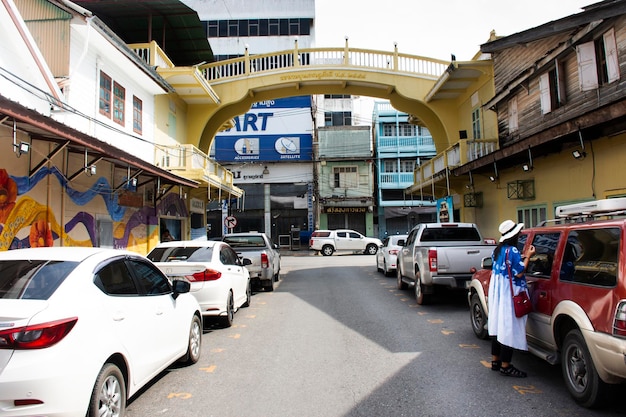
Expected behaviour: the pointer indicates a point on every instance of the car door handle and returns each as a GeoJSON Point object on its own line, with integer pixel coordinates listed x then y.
{"type": "Point", "coordinates": [118, 316]}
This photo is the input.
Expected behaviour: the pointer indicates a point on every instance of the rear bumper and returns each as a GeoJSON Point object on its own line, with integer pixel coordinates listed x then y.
{"type": "Point", "coordinates": [457, 281]}
{"type": "Point", "coordinates": [609, 356]}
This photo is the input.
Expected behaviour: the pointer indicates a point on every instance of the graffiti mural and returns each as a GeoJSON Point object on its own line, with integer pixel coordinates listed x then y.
{"type": "Point", "coordinates": [25, 222]}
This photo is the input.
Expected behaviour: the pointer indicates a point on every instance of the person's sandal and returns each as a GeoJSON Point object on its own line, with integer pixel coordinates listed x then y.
{"type": "Point", "coordinates": [495, 365]}
{"type": "Point", "coordinates": [512, 371]}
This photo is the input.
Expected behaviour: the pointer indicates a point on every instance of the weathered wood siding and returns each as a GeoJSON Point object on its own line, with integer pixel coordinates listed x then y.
{"type": "Point", "coordinates": [511, 63]}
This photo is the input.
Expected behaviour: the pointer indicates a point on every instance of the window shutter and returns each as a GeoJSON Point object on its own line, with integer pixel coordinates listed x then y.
{"type": "Point", "coordinates": [610, 48]}
{"type": "Point", "coordinates": [544, 93]}
{"type": "Point", "coordinates": [513, 120]}
{"type": "Point", "coordinates": [587, 71]}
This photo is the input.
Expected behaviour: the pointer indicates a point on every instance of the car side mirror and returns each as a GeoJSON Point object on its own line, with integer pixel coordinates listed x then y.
{"type": "Point", "coordinates": [486, 263]}
{"type": "Point", "coordinates": [180, 287]}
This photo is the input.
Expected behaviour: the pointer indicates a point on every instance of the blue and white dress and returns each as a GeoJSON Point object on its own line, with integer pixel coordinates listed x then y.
{"type": "Point", "coordinates": [510, 330]}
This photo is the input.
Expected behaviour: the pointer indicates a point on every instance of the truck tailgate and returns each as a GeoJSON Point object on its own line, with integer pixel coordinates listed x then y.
{"type": "Point", "coordinates": [461, 259]}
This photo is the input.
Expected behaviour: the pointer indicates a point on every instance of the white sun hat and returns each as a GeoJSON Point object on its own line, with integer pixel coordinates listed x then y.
{"type": "Point", "coordinates": [509, 228]}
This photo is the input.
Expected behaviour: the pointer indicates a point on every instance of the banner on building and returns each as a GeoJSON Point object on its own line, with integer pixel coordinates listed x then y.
{"type": "Point", "coordinates": [445, 210]}
{"type": "Point", "coordinates": [272, 130]}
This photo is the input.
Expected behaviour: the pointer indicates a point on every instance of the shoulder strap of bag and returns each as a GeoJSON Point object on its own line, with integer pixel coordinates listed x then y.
{"type": "Point", "coordinates": [508, 266]}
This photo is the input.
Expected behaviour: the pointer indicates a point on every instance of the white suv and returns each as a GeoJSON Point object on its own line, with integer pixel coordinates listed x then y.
{"type": "Point", "coordinates": [329, 241]}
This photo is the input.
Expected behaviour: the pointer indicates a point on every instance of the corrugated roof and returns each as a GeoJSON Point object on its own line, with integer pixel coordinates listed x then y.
{"type": "Point", "coordinates": [173, 25]}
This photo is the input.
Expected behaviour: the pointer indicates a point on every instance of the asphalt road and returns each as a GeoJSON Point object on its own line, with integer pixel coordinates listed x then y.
{"type": "Point", "coordinates": [336, 338]}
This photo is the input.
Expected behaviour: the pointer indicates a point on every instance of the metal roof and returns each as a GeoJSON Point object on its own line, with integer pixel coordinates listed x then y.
{"type": "Point", "coordinates": [173, 25]}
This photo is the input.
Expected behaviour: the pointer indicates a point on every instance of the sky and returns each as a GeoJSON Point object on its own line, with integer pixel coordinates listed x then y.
{"type": "Point", "coordinates": [432, 28]}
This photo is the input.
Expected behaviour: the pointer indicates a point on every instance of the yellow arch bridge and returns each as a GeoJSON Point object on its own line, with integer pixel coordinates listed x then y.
{"type": "Point", "coordinates": [215, 93]}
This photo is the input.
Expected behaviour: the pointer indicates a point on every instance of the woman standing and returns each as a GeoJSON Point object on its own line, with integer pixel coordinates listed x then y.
{"type": "Point", "coordinates": [507, 331]}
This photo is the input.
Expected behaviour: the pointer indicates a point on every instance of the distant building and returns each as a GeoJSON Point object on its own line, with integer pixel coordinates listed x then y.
{"type": "Point", "coordinates": [269, 149]}
{"type": "Point", "coordinates": [400, 147]}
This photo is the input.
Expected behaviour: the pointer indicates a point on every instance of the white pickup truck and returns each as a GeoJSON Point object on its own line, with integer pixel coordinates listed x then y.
{"type": "Point", "coordinates": [445, 254]}
{"type": "Point", "coordinates": [328, 242]}
{"type": "Point", "coordinates": [264, 254]}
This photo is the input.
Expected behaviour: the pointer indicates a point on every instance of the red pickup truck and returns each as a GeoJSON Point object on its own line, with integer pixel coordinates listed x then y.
{"type": "Point", "coordinates": [577, 282]}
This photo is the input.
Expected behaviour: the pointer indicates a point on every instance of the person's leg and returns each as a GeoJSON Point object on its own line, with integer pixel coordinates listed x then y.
{"type": "Point", "coordinates": [506, 367]}
{"type": "Point", "coordinates": [496, 349]}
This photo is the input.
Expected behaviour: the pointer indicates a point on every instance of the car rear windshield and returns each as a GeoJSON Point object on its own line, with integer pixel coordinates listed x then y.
{"type": "Point", "coordinates": [245, 241]}
{"type": "Point", "coordinates": [178, 254]}
{"type": "Point", "coordinates": [451, 234]}
{"type": "Point", "coordinates": [32, 280]}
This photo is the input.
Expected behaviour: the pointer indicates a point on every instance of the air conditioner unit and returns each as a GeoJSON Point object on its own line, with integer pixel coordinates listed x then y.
{"type": "Point", "coordinates": [609, 205]}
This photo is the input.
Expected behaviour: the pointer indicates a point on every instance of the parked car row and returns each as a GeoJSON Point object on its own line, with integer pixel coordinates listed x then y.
{"type": "Point", "coordinates": [118, 318]}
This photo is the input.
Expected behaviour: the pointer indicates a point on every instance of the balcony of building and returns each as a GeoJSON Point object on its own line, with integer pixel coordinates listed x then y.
{"type": "Point", "coordinates": [190, 162]}
{"type": "Point", "coordinates": [461, 153]}
{"type": "Point", "coordinates": [393, 146]}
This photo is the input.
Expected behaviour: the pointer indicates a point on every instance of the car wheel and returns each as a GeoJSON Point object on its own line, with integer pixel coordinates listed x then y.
{"type": "Point", "coordinates": [195, 341]}
{"type": "Point", "coordinates": [478, 317]}
{"type": "Point", "coordinates": [108, 397]}
{"type": "Point", "coordinates": [248, 295]}
{"type": "Point", "coordinates": [579, 373]}
{"type": "Point", "coordinates": [400, 284]}
{"type": "Point", "coordinates": [385, 270]}
{"type": "Point", "coordinates": [227, 320]}
{"type": "Point", "coordinates": [371, 249]}
{"type": "Point", "coordinates": [420, 296]}
{"type": "Point", "coordinates": [327, 250]}
{"type": "Point", "coordinates": [277, 276]}
{"type": "Point", "coordinates": [268, 285]}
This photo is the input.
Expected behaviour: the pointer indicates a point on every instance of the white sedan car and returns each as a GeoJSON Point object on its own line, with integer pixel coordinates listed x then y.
{"type": "Point", "coordinates": [387, 255]}
{"type": "Point", "coordinates": [83, 329]}
{"type": "Point", "coordinates": [219, 279]}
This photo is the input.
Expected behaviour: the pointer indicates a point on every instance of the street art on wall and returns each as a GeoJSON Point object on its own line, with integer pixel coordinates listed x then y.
{"type": "Point", "coordinates": [25, 222]}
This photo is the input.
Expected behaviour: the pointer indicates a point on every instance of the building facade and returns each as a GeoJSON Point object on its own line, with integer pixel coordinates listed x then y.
{"type": "Point", "coordinates": [279, 189]}
{"type": "Point", "coordinates": [96, 132]}
{"type": "Point", "coordinates": [558, 99]}
{"type": "Point", "coordinates": [400, 146]}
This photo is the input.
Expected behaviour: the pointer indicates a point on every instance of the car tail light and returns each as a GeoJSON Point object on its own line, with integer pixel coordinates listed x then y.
{"type": "Point", "coordinates": [265, 262]}
{"type": "Point", "coordinates": [37, 336]}
{"type": "Point", "coordinates": [206, 275]}
{"type": "Point", "coordinates": [619, 325]}
{"type": "Point", "coordinates": [432, 260]}
{"type": "Point", "coordinates": [393, 252]}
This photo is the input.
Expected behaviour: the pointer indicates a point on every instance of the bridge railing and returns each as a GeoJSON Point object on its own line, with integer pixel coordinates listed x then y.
{"type": "Point", "coordinates": [323, 58]}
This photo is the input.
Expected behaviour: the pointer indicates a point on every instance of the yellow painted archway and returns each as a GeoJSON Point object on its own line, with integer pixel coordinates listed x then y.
{"type": "Point", "coordinates": [236, 84]}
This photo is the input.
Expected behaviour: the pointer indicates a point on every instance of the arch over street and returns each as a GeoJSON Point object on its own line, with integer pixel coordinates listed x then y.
{"type": "Point", "coordinates": [238, 83]}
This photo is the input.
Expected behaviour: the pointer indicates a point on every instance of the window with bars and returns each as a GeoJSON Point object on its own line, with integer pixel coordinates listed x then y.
{"type": "Point", "coordinates": [105, 94]}
{"type": "Point", "coordinates": [119, 100]}
{"type": "Point", "coordinates": [257, 27]}
{"type": "Point", "coordinates": [338, 118]}
{"type": "Point", "coordinates": [476, 124]}
{"type": "Point", "coordinates": [137, 115]}
{"type": "Point", "coordinates": [532, 216]}
{"type": "Point", "coordinates": [346, 177]}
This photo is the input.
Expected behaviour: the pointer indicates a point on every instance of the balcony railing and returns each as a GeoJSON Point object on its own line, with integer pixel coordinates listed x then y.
{"type": "Point", "coordinates": [152, 54]}
{"type": "Point", "coordinates": [389, 180]}
{"type": "Point", "coordinates": [190, 162]}
{"type": "Point", "coordinates": [418, 145]}
{"type": "Point", "coordinates": [322, 58]}
{"type": "Point", "coordinates": [458, 154]}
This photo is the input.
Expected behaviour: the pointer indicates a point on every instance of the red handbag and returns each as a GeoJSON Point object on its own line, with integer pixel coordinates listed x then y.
{"type": "Point", "coordinates": [521, 302]}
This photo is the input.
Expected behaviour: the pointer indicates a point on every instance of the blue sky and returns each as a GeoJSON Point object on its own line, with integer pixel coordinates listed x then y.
{"type": "Point", "coordinates": [432, 28]}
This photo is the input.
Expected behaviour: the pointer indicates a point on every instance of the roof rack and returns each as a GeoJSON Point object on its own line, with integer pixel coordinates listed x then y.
{"type": "Point", "coordinates": [605, 207]}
